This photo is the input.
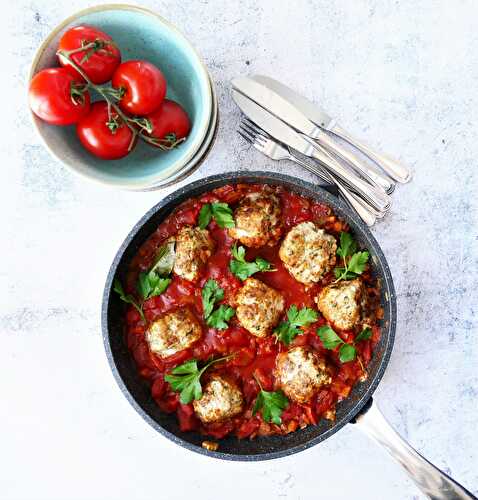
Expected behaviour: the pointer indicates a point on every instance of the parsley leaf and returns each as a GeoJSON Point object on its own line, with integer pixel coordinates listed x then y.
{"type": "Point", "coordinates": [205, 215]}
{"type": "Point", "coordinates": [243, 269]}
{"type": "Point", "coordinates": [128, 298]}
{"type": "Point", "coordinates": [271, 403]}
{"type": "Point", "coordinates": [219, 318]}
{"type": "Point", "coordinates": [211, 293]}
{"type": "Point", "coordinates": [356, 264]}
{"type": "Point", "coordinates": [288, 330]}
{"type": "Point", "coordinates": [347, 352]}
{"type": "Point", "coordinates": [221, 212]}
{"type": "Point", "coordinates": [186, 379]}
{"type": "Point", "coordinates": [151, 285]}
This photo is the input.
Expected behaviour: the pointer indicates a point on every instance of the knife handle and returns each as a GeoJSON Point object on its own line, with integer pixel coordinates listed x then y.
{"type": "Point", "coordinates": [373, 177]}
{"type": "Point", "coordinates": [396, 171]}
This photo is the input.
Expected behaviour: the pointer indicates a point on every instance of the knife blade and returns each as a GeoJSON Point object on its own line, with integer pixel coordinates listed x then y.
{"type": "Point", "coordinates": [308, 108]}
{"type": "Point", "coordinates": [285, 134]}
{"type": "Point", "coordinates": [276, 105]}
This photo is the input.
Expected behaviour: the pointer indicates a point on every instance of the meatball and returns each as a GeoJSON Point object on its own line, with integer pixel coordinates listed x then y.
{"type": "Point", "coordinates": [258, 307]}
{"type": "Point", "coordinates": [308, 252]}
{"type": "Point", "coordinates": [344, 304]}
{"type": "Point", "coordinates": [258, 220]}
{"type": "Point", "coordinates": [194, 246]}
{"type": "Point", "coordinates": [173, 332]}
{"type": "Point", "coordinates": [221, 399]}
{"type": "Point", "coordinates": [300, 373]}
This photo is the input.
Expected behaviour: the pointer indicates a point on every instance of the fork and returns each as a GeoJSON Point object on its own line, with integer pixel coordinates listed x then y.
{"type": "Point", "coordinates": [276, 151]}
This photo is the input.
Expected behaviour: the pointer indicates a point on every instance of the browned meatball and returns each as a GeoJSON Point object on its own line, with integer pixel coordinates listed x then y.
{"type": "Point", "coordinates": [258, 220]}
{"type": "Point", "coordinates": [194, 246]}
{"type": "Point", "coordinates": [221, 399]}
{"type": "Point", "coordinates": [258, 307]}
{"type": "Point", "coordinates": [173, 332]}
{"type": "Point", "coordinates": [300, 373]}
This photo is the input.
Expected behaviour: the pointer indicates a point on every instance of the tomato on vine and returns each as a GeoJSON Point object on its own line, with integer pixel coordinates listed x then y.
{"type": "Point", "coordinates": [141, 87]}
{"type": "Point", "coordinates": [104, 133]}
{"type": "Point", "coordinates": [92, 50]}
{"type": "Point", "coordinates": [57, 97]}
{"type": "Point", "coordinates": [169, 123]}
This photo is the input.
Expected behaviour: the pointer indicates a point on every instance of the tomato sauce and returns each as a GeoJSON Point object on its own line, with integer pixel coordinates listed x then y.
{"type": "Point", "coordinates": [254, 358]}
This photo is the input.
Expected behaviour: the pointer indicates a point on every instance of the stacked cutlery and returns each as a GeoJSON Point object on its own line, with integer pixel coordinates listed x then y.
{"type": "Point", "coordinates": [282, 123]}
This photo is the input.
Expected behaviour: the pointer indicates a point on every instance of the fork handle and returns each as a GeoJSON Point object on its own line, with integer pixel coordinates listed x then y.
{"type": "Point", "coordinates": [396, 171]}
{"type": "Point", "coordinates": [365, 213]}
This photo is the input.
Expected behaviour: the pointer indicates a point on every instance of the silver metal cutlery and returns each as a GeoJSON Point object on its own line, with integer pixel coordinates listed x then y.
{"type": "Point", "coordinates": [276, 151]}
{"type": "Point", "coordinates": [324, 121]}
{"type": "Point", "coordinates": [276, 128]}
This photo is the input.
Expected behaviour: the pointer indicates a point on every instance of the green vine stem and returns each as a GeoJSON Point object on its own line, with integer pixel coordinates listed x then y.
{"type": "Point", "coordinates": [110, 94]}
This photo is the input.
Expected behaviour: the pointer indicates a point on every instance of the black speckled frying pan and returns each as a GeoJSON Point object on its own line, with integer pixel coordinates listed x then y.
{"type": "Point", "coordinates": [358, 408]}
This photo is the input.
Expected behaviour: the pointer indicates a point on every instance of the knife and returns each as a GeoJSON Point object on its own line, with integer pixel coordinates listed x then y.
{"type": "Point", "coordinates": [287, 112]}
{"type": "Point", "coordinates": [285, 134]}
{"type": "Point", "coordinates": [323, 120]}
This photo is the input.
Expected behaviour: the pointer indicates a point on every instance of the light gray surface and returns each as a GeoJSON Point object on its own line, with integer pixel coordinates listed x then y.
{"type": "Point", "coordinates": [403, 76]}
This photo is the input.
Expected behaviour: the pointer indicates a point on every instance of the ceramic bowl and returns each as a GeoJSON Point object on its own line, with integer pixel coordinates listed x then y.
{"type": "Point", "coordinates": [140, 34]}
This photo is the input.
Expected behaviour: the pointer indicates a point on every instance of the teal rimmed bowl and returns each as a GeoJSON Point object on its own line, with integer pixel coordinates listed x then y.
{"type": "Point", "coordinates": [140, 34]}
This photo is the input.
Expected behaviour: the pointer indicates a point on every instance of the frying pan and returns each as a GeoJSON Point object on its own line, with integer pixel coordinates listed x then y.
{"type": "Point", "coordinates": [358, 409]}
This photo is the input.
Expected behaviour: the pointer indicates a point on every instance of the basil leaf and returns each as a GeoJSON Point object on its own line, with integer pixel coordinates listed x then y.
{"type": "Point", "coordinates": [347, 352]}
{"type": "Point", "coordinates": [329, 338]}
{"type": "Point", "coordinates": [164, 260]}
{"type": "Point", "coordinates": [219, 318]}
{"type": "Point", "coordinates": [272, 405]}
{"type": "Point", "coordinates": [211, 293]}
{"type": "Point", "coordinates": [205, 215]}
{"type": "Point", "coordinates": [365, 334]}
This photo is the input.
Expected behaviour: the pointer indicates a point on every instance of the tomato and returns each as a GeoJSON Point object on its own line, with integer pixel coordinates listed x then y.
{"type": "Point", "coordinates": [98, 62]}
{"type": "Point", "coordinates": [57, 97]}
{"type": "Point", "coordinates": [99, 139]}
{"type": "Point", "coordinates": [143, 86]}
{"type": "Point", "coordinates": [170, 123]}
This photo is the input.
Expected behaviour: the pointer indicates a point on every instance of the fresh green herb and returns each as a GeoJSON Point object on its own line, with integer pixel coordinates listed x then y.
{"type": "Point", "coordinates": [219, 318]}
{"type": "Point", "coordinates": [353, 266]}
{"type": "Point", "coordinates": [128, 298]}
{"type": "Point", "coordinates": [211, 293]}
{"type": "Point", "coordinates": [186, 379]}
{"type": "Point", "coordinates": [243, 269]}
{"type": "Point", "coordinates": [271, 405]}
{"type": "Point", "coordinates": [288, 330]}
{"type": "Point", "coordinates": [221, 212]}
{"type": "Point", "coordinates": [347, 352]}
{"type": "Point", "coordinates": [151, 285]}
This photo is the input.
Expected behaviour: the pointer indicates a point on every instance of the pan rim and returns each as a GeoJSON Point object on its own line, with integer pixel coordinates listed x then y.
{"type": "Point", "coordinates": [261, 177]}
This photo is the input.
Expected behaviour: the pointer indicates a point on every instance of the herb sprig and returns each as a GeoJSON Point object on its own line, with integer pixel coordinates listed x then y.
{"type": "Point", "coordinates": [288, 330]}
{"type": "Point", "coordinates": [271, 404]}
{"type": "Point", "coordinates": [221, 212]}
{"type": "Point", "coordinates": [353, 266]}
{"type": "Point", "coordinates": [243, 269]}
{"type": "Point", "coordinates": [186, 379]}
{"type": "Point", "coordinates": [347, 352]}
{"type": "Point", "coordinates": [212, 293]}
{"type": "Point", "coordinates": [128, 298]}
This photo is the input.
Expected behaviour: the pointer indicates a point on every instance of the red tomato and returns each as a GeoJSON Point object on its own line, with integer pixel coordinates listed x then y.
{"type": "Point", "coordinates": [143, 84]}
{"type": "Point", "coordinates": [99, 139]}
{"type": "Point", "coordinates": [98, 62]}
{"type": "Point", "coordinates": [57, 97]}
{"type": "Point", "coordinates": [170, 123]}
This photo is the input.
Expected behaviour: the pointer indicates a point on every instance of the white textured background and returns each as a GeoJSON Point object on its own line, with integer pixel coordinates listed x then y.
{"type": "Point", "coordinates": [403, 75]}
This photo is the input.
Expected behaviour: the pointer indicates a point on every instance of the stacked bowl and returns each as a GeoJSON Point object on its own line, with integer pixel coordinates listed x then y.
{"type": "Point", "coordinates": [141, 34]}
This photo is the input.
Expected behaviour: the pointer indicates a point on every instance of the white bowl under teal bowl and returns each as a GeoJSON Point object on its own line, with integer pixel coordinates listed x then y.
{"type": "Point", "coordinates": [140, 34]}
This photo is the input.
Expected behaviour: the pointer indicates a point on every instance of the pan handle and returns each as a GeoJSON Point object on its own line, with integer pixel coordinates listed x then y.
{"type": "Point", "coordinates": [431, 480]}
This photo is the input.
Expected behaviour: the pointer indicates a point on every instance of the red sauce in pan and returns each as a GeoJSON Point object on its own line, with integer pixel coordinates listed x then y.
{"type": "Point", "coordinates": [253, 355]}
